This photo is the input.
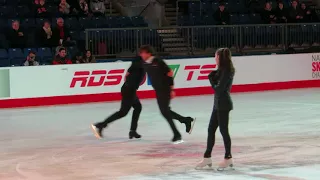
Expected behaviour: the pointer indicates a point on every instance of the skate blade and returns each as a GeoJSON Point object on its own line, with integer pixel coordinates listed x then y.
{"type": "Point", "coordinates": [178, 142]}
{"type": "Point", "coordinates": [192, 125]}
{"type": "Point", "coordinates": [135, 139]}
{"type": "Point", "coordinates": [226, 169]}
{"type": "Point", "coordinates": [95, 131]}
{"type": "Point", "coordinates": [208, 166]}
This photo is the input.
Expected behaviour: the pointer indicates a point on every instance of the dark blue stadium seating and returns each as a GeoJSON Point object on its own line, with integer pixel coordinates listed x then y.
{"type": "Point", "coordinates": [4, 58]}
{"type": "Point", "coordinates": [45, 55]}
{"type": "Point", "coordinates": [16, 57]}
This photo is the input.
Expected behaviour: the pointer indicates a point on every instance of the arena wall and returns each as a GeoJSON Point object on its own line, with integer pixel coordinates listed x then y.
{"type": "Point", "coordinates": [84, 83]}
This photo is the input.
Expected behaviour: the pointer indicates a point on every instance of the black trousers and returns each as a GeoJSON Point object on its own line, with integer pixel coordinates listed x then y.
{"type": "Point", "coordinates": [163, 100]}
{"type": "Point", "coordinates": [129, 99]}
{"type": "Point", "coordinates": [219, 118]}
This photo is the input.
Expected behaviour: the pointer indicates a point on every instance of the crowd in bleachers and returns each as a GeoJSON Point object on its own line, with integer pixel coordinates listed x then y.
{"type": "Point", "coordinates": [46, 26]}
{"type": "Point", "coordinates": [247, 12]}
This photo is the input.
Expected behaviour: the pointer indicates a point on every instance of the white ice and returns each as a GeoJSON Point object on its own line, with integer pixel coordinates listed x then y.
{"type": "Point", "coordinates": [275, 136]}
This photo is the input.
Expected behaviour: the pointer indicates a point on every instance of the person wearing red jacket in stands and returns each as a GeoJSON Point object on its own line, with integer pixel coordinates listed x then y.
{"type": "Point", "coordinates": [61, 58]}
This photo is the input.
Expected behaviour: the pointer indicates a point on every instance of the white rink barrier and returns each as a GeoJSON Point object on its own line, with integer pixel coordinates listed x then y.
{"type": "Point", "coordinates": [81, 83]}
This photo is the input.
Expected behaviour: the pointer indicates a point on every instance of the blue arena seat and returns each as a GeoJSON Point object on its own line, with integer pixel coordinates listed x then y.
{"type": "Point", "coordinates": [244, 19]}
{"type": "Point", "coordinates": [40, 21]}
{"type": "Point", "coordinates": [7, 12]}
{"type": "Point", "coordinates": [194, 7]}
{"type": "Point", "coordinates": [28, 23]}
{"type": "Point", "coordinates": [3, 42]}
{"type": "Point", "coordinates": [123, 21]}
{"type": "Point", "coordinates": [86, 22]}
{"type": "Point", "coordinates": [16, 56]}
{"type": "Point", "coordinates": [4, 58]}
{"type": "Point", "coordinates": [46, 55]}
{"type": "Point", "coordinates": [23, 11]}
{"type": "Point", "coordinates": [255, 19]}
{"type": "Point", "coordinates": [27, 50]}
{"type": "Point", "coordinates": [138, 21]}
{"type": "Point", "coordinates": [100, 22]}
{"type": "Point", "coordinates": [74, 35]}
{"type": "Point", "coordinates": [12, 2]}
{"type": "Point", "coordinates": [72, 51]}
{"type": "Point", "coordinates": [208, 20]}
{"type": "Point", "coordinates": [234, 19]}
{"type": "Point", "coordinates": [72, 23]}
{"type": "Point", "coordinates": [207, 8]}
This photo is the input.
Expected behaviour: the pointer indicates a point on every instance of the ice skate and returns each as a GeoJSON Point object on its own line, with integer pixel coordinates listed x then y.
{"type": "Point", "coordinates": [97, 131]}
{"type": "Point", "coordinates": [134, 134]}
{"type": "Point", "coordinates": [189, 124]}
{"type": "Point", "coordinates": [177, 140]}
{"type": "Point", "coordinates": [205, 162]}
{"type": "Point", "coordinates": [226, 164]}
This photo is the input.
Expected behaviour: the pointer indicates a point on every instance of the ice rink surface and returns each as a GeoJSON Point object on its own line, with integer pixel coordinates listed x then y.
{"type": "Point", "coordinates": [275, 136]}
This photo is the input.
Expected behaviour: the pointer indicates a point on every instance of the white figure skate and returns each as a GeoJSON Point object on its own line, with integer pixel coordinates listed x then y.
{"type": "Point", "coordinates": [226, 164]}
{"type": "Point", "coordinates": [205, 162]}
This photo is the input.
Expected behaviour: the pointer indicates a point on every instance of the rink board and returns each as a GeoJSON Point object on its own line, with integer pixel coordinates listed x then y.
{"type": "Point", "coordinates": [65, 84]}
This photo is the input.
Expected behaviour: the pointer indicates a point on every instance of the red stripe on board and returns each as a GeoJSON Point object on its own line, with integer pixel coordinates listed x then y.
{"type": "Point", "coordinates": [89, 98]}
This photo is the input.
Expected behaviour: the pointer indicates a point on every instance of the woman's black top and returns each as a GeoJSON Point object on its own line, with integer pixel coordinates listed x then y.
{"type": "Point", "coordinates": [221, 82]}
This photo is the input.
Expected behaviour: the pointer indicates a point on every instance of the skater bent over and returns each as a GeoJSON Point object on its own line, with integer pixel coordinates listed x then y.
{"type": "Point", "coordinates": [134, 77]}
{"type": "Point", "coordinates": [161, 77]}
{"type": "Point", "coordinates": [221, 81]}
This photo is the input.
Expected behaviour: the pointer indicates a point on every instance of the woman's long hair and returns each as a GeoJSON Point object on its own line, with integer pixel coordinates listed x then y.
{"type": "Point", "coordinates": [85, 56]}
{"type": "Point", "coordinates": [225, 61]}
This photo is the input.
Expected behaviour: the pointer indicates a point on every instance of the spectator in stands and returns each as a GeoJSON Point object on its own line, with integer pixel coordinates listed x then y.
{"type": "Point", "coordinates": [45, 35]}
{"type": "Point", "coordinates": [41, 9]}
{"type": "Point", "coordinates": [83, 8]}
{"type": "Point", "coordinates": [97, 7]}
{"type": "Point", "coordinates": [58, 49]}
{"type": "Point", "coordinates": [16, 36]}
{"type": "Point", "coordinates": [78, 59]}
{"type": "Point", "coordinates": [306, 13]}
{"type": "Point", "coordinates": [61, 58]}
{"type": "Point", "coordinates": [253, 5]}
{"type": "Point", "coordinates": [281, 13]}
{"type": "Point", "coordinates": [61, 34]}
{"type": "Point", "coordinates": [295, 13]}
{"type": "Point", "coordinates": [88, 58]}
{"type": "Point", "coordinates": [268, 16]}
{"type": "Point", "coordinates": [31, 59]}
{"type": "Point", "coordinates": [222, 16]}
{"type": "Point", "coordinates": [64, 7]}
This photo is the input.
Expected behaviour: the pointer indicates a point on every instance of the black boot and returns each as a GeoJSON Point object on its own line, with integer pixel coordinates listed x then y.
{"type": "Point", "coordinates": [177, 139]}
{"type": "Point", "coordinates": [97, 130]}
{"type": "Point", "coordinates": [189, 122]}
{"type": "Point", "coordinates": [134, 134]}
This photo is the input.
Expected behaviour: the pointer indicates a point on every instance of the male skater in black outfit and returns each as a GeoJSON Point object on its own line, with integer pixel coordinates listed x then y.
{"type": "Point", "coordinates": [161, 77]}
{"type": "Point", "coordinates": [134, 77]}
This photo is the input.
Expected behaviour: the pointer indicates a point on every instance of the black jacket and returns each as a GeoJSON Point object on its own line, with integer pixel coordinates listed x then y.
{"type": "Point", "coordinates": [221, 82]}
{"type": "Point", "coordinates": [221, 17]}
{"type": "Point", "coordinates": [43, 40]}
{"type": "Point", "coordinates": [158, 73]}
{"type": "Point", "coordinates": [15, 40]}
{"type": "Point", "coordinates": [280, 13]}
{"type": "Point", "coordinates": [135, 76]}
{"type": "Point", "coordinates": [265, 16]}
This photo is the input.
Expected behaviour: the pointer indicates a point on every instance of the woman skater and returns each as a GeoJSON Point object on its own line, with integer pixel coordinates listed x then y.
{"type": "Point", "coordinates": [221, 81]}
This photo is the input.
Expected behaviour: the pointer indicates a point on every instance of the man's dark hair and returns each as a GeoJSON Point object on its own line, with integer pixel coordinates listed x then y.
{"type": "Point", "coordinates": [148, 49]}
{"type": "Point", "coordinates": [61, 49]}
{"type": "Point", "coordinates": [32, 52]}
